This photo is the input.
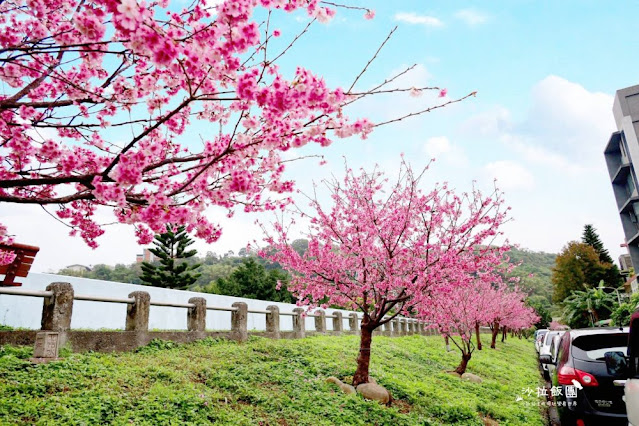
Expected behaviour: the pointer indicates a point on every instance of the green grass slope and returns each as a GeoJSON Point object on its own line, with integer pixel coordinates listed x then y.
{"type": "Point", "coordinates": [269, 382]}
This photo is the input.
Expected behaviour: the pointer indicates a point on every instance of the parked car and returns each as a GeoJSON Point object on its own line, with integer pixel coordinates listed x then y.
{"type": "Point", "coordinates": [628, 367]}
{"type": "Point", "coordinates": [587, 394]}
{"type": "Point", "coordinates": [554, 349]}
{"type": "Point", "coordinates": [539, 335]}
{"type": "Point", "coordinates": [544, 348]}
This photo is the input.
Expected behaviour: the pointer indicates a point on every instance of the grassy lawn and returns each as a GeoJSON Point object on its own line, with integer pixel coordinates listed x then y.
{"type": "Point", "coordinates": [270, 383]}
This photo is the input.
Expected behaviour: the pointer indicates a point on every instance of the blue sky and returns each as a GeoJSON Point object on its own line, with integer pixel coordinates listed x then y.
{"type": "Point", "coordinates": [545, 73]}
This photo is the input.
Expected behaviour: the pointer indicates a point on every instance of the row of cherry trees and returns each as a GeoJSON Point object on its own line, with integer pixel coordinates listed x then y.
{"type": "Point", "coordinates": [482, 300]}
{"type": "Point", "coordinates": [387, 249]}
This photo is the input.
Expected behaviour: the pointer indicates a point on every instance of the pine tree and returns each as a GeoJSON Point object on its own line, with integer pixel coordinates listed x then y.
{"type": "Point", "coordinates": [612, 276]}
{"type": "Point", "coordinates": [170, 247]}
{"type": "Point", "coordinates": [591, 238]}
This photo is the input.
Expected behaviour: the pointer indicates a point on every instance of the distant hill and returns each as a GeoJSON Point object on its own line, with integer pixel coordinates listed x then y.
{"type": "Point", "coordinates": [539, 264]}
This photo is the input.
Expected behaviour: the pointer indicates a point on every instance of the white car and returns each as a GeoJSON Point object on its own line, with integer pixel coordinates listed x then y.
{"type": "Point", "coordinates": [544, 349]}
{"type": "Point", "coordinates": [539, 337]}
{"type": "Point", "coordinates": [554, 349]}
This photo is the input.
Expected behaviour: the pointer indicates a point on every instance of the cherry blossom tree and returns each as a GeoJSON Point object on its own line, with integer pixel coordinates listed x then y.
{"type": "Point", "coordinates": [478, 299]}
{"type": "Point", "coordinates": [381, 245]}
{"type": "Point", "coordinates": [461, 302]}
{"type": "Point", "coordinates": [98, 96]}
{"type": "Point", "coordinates": [520, 316]}
{"type": "Point", "coordinates": [511, 313]}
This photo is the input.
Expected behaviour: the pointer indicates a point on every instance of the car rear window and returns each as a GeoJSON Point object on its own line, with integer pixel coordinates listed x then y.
{"type": "Point", "coordinates": [593, 347]}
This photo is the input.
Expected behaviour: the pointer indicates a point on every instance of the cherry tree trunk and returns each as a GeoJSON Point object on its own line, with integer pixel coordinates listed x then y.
{"type": "Point", "coordinates": [461, 368]}
{"type": "Point", "coordinates": [478, 337]}
{"type": "Point", "coordinates": [364, 358]}
{"type": "Point", "coordinates": [503, 334]}
{"type": "Point", "coordinates": [494, 336]}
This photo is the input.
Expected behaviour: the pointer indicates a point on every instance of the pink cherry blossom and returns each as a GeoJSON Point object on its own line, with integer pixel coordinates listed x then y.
{"type": "Point", "coordinates": [383, 249]}
{"type": "Point", "coordinates": [77, 73]}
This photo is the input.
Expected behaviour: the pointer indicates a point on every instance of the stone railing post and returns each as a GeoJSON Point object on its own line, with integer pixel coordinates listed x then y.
{"type": "Point", "coordinates": [388, 328]}
{"type": "Point", "coordinates": [402, 326]}
{"type": "Point", "coordinates": [299, 323]}
{"type": "Point", "coordinates": [338, 322]}
{"type": "Point", "coordinates": [395, 329]}
{"type": "Point", "coordinates": [352, 322]}
{"type": "Point", "coordinates": [137, 313]}
{"type": "Point", "coordinates": [239, 325]}
{"type": "Point", "coordinates": [273, 321]}
{"type": "Point", "coordinates": [320, 321]}
{"type": "Point", "coordinates": [58, 308]}
{"type": "Point", "coordinates": [413, 327]}
{"type": "Point", "coordinates": [196, 316]}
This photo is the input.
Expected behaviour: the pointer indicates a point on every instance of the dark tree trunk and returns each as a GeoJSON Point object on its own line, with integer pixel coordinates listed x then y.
{"type": "Point", "coordinates": [364, 357]}
{"type": "Point", "coordinates": [478, 337]}
{"type": "Point", "coordinates": [461, 368]}
{"type": "Point", "coordinates": [503, 334]}
{"type": "Point", "coordinates": [447, 343]}
{"type": "Point", "coordinates": [494, 336]}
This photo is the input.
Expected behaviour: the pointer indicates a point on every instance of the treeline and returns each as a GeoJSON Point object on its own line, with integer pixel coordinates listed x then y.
{"type": "Point", "coordinates": [247, 275]}
{"type": "Point", "coordinates": [242, 275]}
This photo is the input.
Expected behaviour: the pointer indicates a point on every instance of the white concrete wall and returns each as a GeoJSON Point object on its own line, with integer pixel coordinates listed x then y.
{"type": "Point", "coordinates": [26, 312]}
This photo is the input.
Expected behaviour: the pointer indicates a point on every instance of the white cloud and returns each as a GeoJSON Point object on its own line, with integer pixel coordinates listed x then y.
{"type": "Point", "coordinates": [415, 19]}
{"type": "Point", "coordinates": [565, 128]}
{"type": "Point", "coordinates": [491, 122]}
{"type": "Point", "coordinates": [471, 17]}
{"type": "Point", "coordinates": [442, 149]}
{"type": "Point", "coordinates": [509, 175]}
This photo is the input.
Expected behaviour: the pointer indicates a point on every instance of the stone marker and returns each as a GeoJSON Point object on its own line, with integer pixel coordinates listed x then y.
{"type": "Point", "coordinates": [46, 347]}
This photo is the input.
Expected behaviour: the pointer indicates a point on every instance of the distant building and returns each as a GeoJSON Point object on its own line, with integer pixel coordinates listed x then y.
{"type": "Point", "coordinates": [78, 268]}
{"type": "Point", "coordinates": [622, 158]}
{"type": "Point", "coordinates": [625, 263]}
{"type": "Point", "coordinates": [146, 256]}
{"type": "Point", "coordinates": [631, 285]}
